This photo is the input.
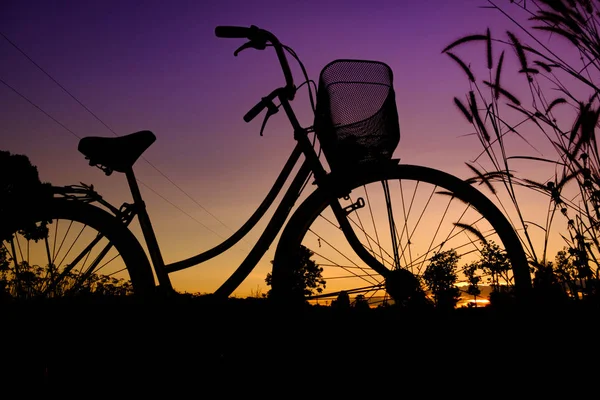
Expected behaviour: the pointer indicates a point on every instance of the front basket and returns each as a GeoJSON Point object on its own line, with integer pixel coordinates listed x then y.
{"type": "Point", "coordinates": [356, 119]}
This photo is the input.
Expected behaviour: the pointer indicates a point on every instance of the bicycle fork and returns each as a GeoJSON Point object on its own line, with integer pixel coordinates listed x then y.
{"type": "Point", "coordinates": [342, 217]}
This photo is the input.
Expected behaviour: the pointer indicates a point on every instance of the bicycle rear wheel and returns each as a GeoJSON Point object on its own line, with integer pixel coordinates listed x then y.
{"type": "Point", "coordinates": [436, 240]}
{"type": "Point", "coordinates": [72, 248]}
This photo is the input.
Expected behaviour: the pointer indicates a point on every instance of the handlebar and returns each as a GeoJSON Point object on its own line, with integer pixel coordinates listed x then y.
{"type": "Point", "coordinates": [240, 32]}
{"type": "Point", "coordinates": [257, 109]}
{"type": "Point", "coordinates": [258, 39]}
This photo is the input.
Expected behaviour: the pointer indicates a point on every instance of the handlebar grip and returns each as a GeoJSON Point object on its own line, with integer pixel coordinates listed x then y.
{"type": "Point", "coordinates": [233, 31]}
{"type": "Point", "coordinates": [254, 111]}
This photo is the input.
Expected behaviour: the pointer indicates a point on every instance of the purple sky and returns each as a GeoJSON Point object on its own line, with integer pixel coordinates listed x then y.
{"type": "Point", "coordinates": [157, 65]}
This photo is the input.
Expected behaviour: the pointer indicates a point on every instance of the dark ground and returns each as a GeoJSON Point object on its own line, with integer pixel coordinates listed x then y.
{"type": "Point", "coordinates": [210, 347]}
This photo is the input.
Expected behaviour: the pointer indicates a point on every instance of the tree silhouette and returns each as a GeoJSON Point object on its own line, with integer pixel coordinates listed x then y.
{"type": "Point", "coordinates": [20, 192]}
{"type": "Point", "coordinates": [406, 289]}
{"type": "Point", "coordinates": [361, 302]}
{"type": "Point", "coordinates": [304, 277]}
{"type": "Point", "coordinates": [470, 271]}
{"type": "Point", "coordinates": [546, 283]}
{"type": "Point", "coordinates": [440, 277]}
{"type": "Point", "coordinates": [567, 273]}
{"type": "Point", "coordinates": [342, 302]}
{"type": "Point", "coordinates": [495, 263]}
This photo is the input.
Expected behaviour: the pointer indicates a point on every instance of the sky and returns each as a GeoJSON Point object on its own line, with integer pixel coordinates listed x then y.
{"type": "Point", "coordinates": [157, 65]}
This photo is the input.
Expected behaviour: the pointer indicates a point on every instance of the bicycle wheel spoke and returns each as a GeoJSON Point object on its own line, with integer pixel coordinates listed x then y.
{"type": "Point", "coordinates": [412, 234]}
{"type": "Point", "coordinates": [405, 225]}
{"type": "Point", "coordinates": [56, 223]}
{"type": "Point", "coordinates": [349, 270]}
{"type": "Point", "coordinates": [373, 222]}
{"type": "Point", "coordinates": [392, 224]}
{"type": "Point", "coordinates": [70, 266]}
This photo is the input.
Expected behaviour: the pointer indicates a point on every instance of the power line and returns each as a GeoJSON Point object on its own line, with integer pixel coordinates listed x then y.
{"type": "Point", "coordinates": [55, 81]}
{"type": "Point", "coordinates": [107, 127]}
{"type": "Point", "coordinates": [165, 199]}
{"type": "Point", "coordinates": [39, 108]}
{"type": "Point", "coordinates": [77, 136]}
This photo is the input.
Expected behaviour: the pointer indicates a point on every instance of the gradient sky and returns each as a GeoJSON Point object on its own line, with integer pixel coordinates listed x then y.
{"type": "Point", "coordinates": [157, 65]}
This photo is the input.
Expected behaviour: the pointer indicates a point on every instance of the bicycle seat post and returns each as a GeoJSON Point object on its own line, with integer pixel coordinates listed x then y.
{"type": "Point", "coordinates": [148, 231]}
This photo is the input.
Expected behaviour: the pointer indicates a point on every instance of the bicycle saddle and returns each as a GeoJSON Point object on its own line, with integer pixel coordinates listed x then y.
{"type": "Point", "coordinates": [119, 153]}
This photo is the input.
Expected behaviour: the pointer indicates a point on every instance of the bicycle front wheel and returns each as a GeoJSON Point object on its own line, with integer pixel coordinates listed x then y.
{"type": "Point", "coordinates": [70, 248]}
{"type": "Point", "coordinates": [431, 238]}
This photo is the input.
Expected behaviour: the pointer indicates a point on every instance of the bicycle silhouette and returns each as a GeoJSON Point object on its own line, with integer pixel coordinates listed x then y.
{"type": "Point", "coordinates": [371, 223]}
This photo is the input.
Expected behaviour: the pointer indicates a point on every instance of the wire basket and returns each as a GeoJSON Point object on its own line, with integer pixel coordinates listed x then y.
{"type": "Point", "coordinates": [356, 118]}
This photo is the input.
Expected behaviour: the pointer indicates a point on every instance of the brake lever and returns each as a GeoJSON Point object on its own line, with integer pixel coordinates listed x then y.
{"type": "Point", "coordinates": [271, 110]}
{"type": "Point", "coordinates": [255, 44]}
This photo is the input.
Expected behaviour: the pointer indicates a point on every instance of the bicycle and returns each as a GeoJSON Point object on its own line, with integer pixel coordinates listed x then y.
{"type": "Point", "coordinates": [360, 212]}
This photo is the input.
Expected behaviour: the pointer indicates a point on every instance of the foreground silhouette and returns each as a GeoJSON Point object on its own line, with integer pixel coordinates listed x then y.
{"type": "Point", "coordinates": [373, 224]}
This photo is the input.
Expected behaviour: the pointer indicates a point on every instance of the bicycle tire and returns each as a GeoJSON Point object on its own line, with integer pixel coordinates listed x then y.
{"type": "Point", "coordinates": [104, 256]}
{"type": "Point", "coordinates": [304, 219]}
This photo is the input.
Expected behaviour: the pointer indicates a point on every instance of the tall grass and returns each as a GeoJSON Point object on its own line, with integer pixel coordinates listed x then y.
{"type": "Point", "coordinates": [533, 105]}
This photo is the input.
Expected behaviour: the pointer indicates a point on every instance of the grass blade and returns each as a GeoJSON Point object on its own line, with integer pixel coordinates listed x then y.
{"type": "Point", "coordinates": [560, 100]}
{"type": "Point", "coordinates": [463, 109]}
{"type": "Point", "coordinates": [464, 39]}
{"type": "Point", "coordinates": [476, 117]}
{"type": "Point", "coordinates": [474, 231]}
{"type": "Point", "coordinates": [545, 67]}
{"type": "Point", "coordinates": [463, 66]}
{"type": "Point", "coordinates": [498, 74]}
{"type": "Point", "coordinates": [489, 48]}
{"type": "Point", "coordinates": [504, 92]}
{"type": "Point", "coordinates": [482, 178]}
{"type": "Point", "coordinates": [519, 49]}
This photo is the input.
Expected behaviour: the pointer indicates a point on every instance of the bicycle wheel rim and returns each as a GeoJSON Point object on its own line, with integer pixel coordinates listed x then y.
{"type": "Point", "coordinates": [80, 250]}
{"type": "Point", "coordinates": [431, 211]}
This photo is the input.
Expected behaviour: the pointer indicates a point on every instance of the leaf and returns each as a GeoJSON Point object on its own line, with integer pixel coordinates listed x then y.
{"type": "Point", "coordinates": [567, 35]}
{"type": "Point", "coordinates": [546, 67]}
{"type": "Point", "coordinates": [558, 6]}
{"type": "Point", "coordinates": [534, 51]}
{"type": "Point", "coordinates": [498, 72]}
{"type": "Point", "coordinates": [577, 125]}
{"type": "Point", "coordinates": [560, 100]}
{"type": "Point", "coordinates": [498, 174]}
{"type": "Point", "coordinates": [566, 179]}
{"type": "Point", "coordinates": [588, 124]}
{"type": "Point", "coordinates": [476, 117]}
{"type": "Point", "coordinates": [463, 66]}
{"type": "Point", "coordinates": [445, 193]}
{"type": "Point", "coordinates": [465, 39]}
{"type": "Point", "coordinates": [472, 230]}
{"type": "Point", "coordinates": [527, 113]}
{"type": "Point", "coordinates": [529, 71]}
{"type": "Point", "coordinates": [537, 185]}
{"type": "Point", "coordinates": [489, 48]}
{"type": "Point", "coordinates": [535, 224]}
{"type": "Point", "coordinates": [565, 151]}
{"type": "Point", "coordinates": [482, 178]}
{"type": "Point", "coordinates": [519, 49]}
{"type": "Point", "coordinates": [463, 109]}
{"type": "Point", "coordinates": [535, 159]}
{"type": "Point", "coordinates": [553, 19]}
{"type": "Point", "coordinates": [504, 92]}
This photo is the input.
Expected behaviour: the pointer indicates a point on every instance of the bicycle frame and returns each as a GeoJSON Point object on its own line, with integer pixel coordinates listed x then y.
{"type": "Point", "coordinates": [127, 212]}
{"type": "Point", "coordinates": [311, 166]}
